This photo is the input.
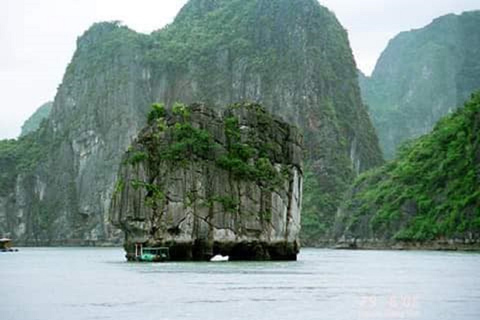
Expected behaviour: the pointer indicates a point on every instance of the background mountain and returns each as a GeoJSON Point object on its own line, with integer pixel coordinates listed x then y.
{"type": "Point", "coordinates": [293, 57]}
{"type": "Point", "coordinates": [33, 122]}
{"type": "Point", "coordinates": [421, 76]}
{"type": "Point", "coordinates": [430, 193]}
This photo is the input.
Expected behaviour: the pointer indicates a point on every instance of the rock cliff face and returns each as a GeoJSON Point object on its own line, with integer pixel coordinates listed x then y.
{"type": "Point", "coordinates": [429, 197]}
{"type": "Point", "coordinates": [291, 56]}
{"type": "Point", "coordinates": [63, 196]}
{"type": "Point", "coordinates": [294, 58]}
{"type": "Point", "coordinates": [422, 76]}
{"type": "Point", "coordinates": [204, 184]}
{"type": "Point", "coordinates": [33, 123]}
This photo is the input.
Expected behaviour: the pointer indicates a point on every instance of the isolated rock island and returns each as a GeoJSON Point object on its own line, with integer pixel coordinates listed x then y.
{"type": "Point", "coordinates": [203, 182]}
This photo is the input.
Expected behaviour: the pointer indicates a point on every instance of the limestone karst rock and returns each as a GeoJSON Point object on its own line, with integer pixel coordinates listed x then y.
{"type": "Point", "coordinates": [293, 57]}
{"type": "Point", "coordinates": [422, 76]}
{"type": "Point", "coordinates": [204, 184]}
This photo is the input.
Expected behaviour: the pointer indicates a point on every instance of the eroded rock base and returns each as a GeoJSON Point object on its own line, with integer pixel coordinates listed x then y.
{"type": "Point", "coordinates": [236, 251]}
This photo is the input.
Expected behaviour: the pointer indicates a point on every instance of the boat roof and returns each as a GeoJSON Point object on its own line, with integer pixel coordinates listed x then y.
{"type": "Point", "coordinates": [5, 240]}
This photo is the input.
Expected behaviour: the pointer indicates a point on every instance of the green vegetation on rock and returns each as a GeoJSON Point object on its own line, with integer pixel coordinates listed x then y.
{"type": "Point", "coordinates": [205, 183]}
{"type": "Point", "coordinates": [249, 158]}
{"type": "Point", "coordinates": [19, 163]}
{"type": "Point", "coordinates": [430, 192]}
{"type": "Point", "coordinates": [247, 50]}
{"type": "Point", "coordinates": [19, 156]}
{"type": "Point", "coordinates": [175, 138]}
{"type": "Point", "coordinates": [422, 76]}
{"type": "Point", "coordinates": [34, 121]}
{"type": "Point", "coordinates": [156, 113]}
{"type": "Point", "coordinates": [292, 57]}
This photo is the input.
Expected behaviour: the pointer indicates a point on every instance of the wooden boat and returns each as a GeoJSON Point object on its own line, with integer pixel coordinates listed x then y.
{"type": "Point", "coordinates": [6, 245]}
{"type": "Point", "coordinates": [151, 254]}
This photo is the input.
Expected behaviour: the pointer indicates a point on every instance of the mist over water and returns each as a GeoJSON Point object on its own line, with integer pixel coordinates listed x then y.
{"type": "Point", "coordinates": [60, 283]}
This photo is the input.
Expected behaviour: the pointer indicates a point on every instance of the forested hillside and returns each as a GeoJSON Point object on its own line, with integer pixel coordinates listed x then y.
{"type": "Point", "coordinates": [431, 192]}
{"type": "Point", "coordinates": [421, 76]}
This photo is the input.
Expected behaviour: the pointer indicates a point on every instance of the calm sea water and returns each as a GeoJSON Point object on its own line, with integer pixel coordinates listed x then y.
{"type": "Point", "coordinates": [49, 284]}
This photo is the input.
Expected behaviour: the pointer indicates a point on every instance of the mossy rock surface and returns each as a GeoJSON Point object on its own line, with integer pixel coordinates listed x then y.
{"type": "Point", "coordinates": [203, 184]}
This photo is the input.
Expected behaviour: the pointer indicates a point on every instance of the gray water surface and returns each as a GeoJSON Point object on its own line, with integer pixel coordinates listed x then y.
{"type": "Point", "coordinates": [77, 283]}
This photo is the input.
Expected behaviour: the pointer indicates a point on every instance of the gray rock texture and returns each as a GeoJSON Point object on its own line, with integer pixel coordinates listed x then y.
{"type": "Point", "coordinates": [204, 184]}
{"type": "Point", "coordinates": [293, 57]}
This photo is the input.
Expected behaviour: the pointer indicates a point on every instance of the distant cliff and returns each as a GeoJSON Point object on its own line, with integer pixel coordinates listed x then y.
{"type": "Point", "coordinates": [33, 123]}
{"type": "Point", "coordinates": [422, 76]}
{"type": "Point", "coordinates": [293, 57]}
{"type": "Point", "coordinates": [429, 197]}
{"type": "Point", "coordinates": [204, 184]}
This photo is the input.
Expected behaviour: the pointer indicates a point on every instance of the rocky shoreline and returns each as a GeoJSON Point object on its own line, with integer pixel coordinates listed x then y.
{"type": "Point", "coordinates": [435, 245]}
{"type": "Point", "coordinates": [431, 246]}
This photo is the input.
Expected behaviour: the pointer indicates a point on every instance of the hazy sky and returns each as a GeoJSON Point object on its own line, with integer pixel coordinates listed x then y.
{"type": "Point", "coordinates": [37, 38]}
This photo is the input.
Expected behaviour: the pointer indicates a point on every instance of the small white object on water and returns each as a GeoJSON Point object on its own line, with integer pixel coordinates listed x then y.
{"type": "Point", "coordinates": [219, 258]}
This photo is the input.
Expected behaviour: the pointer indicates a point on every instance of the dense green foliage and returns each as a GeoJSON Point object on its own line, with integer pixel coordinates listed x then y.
{"type": "Point", "coordinates": [431, 191]}
{"type": "Point", "coordinates": [22, 161]}
{"type": "Point", "coordinates": [200, 31]}
{"type": "Point", "coordinates": [421, 76]}
{"type": "Point", "coordinates": [156, 113]}
{"type": "Point", "coordinates": [102, 44]}
{"type": "Point", "coordinates": [19, 157]}
{"type": "Point", "coordinates": [318, 205]}
{"type": "Point", "coordinates": [249, 160]}
{"type": "Point", "coordinates": [180, 142]}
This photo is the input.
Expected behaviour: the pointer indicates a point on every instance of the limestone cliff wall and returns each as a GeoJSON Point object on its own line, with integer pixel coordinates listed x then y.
{"type": "Point", "coordinates": [293, 57]}
{"type": "Point", "coordinates": [206, 184]}
{"type": "Point", "coordinates": [422, 76]}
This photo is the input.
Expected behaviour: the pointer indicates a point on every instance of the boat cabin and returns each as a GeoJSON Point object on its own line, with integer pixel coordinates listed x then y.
{"type": "Point", "coordinates": [151, 254]}
{"type": "Point", "coordinates": [5, 244]}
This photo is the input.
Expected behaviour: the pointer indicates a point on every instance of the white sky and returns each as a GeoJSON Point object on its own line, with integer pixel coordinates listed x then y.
{"type": "Point", "coordinates": [37, 38]}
